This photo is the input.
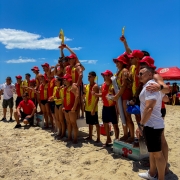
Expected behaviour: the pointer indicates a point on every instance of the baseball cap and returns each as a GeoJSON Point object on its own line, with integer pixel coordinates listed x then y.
{"type": "Point", "coordinates": [35, 68]}
{"type": "Point", "coordinates": [121, 58]}
{"type": "Point", "coordinates": [67, 77]}
{"type": "Point", "coordinates": [32, 81]}
{"type": "Point", "coordinates": [45, 65]}
{"type": "Point", "coordinates": [107, 73]}
{"type": "Point", "coordinates": [19, 77]}
{"type": "Point", "coordinates": [72, 56]}
{"type": "Point", "coordinates": [149, 61]}
{"type": "Point", "coordinates": [136, 54]}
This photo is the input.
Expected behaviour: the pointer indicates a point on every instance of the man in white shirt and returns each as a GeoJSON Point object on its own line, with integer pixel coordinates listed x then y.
{"type": "Point", "coordinates": [7, 90]}
{"type": "Point", "coordinates": [152, 125]}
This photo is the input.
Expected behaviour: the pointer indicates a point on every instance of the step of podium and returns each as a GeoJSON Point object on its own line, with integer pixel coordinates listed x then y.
{"type": "Point", "coordinates": [127, 150]}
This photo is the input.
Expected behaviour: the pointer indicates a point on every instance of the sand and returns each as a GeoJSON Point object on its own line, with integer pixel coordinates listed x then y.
{"type": "Point", "coordinates": [33, 153]}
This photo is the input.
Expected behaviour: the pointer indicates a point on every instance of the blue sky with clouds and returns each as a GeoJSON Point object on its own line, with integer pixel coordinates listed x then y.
{"type": "Point", "coordinates": [29, 32]}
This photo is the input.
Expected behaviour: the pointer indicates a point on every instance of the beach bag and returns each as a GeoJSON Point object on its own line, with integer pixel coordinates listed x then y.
{"type": "Point", "coordinates": [135, 109]}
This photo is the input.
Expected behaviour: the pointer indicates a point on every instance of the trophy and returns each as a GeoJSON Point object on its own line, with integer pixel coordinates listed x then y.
{"type": "Point", "coordinates": [122, 38]}
{"type": "Point", "coordinates": [61, 36]}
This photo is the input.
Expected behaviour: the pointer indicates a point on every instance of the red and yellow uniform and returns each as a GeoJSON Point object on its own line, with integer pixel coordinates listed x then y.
{"type": "Point", "coordinates": [73, 72]}
{"type": "Point", "coordinates": [134, 72]}
{"type": "Point", "coordinates": [127, 94]}
{"type": "Point", "coordinates": [58, 94]}
{"type": "Point", "coordinates": [69, 98]}
{"type": "Point", "coordinates": [51, 86]}
{"type": "Point", "coordinates": [43, 91]}
{"type": "Point", "coordinates": [31, 93]}
{"type": "Point", "coordinates": [107, 89]}
{"type": "Point", "coordinates": [90, 99]}
{"type": "Point", "coordinates": [19, 89]}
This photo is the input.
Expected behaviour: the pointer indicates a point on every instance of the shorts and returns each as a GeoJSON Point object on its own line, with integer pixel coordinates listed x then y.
{"type": "Point", "coordinates": [109, 114]}
{"type": "Point", "coordinates": [153, 138]}
{"type": "Point", "coordinates": [30, 120]}
{"type": "Point", "coordinates": [137, 101]}
{"type": "Point", "coordinates": [92, 120]}
{"type": "Point", "coordinates": [18, 100]}
{"type": "Point", "coordinates": [8, 102]}
{"type": "Point", "coordinates": [163, 112]}
{"type": "Point", "coordinates": [58, 105]}
{"type": "Point", "coordinates": [43, 102]}
{"type": "Point", "coordinates": [52, 106]}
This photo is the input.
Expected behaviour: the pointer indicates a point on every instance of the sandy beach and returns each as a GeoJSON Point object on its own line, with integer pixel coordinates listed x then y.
{"type": "Point", "coordinates": [33, 153]}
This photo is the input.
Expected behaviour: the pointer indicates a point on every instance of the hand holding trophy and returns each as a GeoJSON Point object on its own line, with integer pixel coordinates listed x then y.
{"type": "Point", "coordinates": [122, 38]}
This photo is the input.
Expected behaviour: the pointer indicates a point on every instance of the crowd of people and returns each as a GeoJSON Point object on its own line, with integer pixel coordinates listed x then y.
{"type": "Point", "coordinates": [63, 98]}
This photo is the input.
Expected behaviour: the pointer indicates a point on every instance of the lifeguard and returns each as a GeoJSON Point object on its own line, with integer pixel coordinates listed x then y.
{"type": "Point", "coordinates": [91, 105]}
{"type": "Point", "coordinates": [70, 102]}
{"type": "Point", "coordinates": [19, 89]}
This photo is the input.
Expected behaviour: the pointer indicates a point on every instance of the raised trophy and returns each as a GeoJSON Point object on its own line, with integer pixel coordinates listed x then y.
{"type": "Point", "coordinates": [122, 38]}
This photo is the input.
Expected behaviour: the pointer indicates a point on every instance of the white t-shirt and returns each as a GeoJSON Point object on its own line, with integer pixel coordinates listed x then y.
{"type": "Point", "coordinates": [7, 90]}
{"type": "Point", "coordinates": [156, 121]}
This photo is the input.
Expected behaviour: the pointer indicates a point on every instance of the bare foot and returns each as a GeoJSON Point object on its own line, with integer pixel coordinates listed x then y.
{"type": "Point", "coordinates": [75, 141]}
{"type": "Point", "coordinates": [124, 138]}
{"type": "Point", "coordinates": [130, 140]}
{"type": "Point", "coordinates": [98, 140]}
{"type": "Point", "coordinates": [88, 138]}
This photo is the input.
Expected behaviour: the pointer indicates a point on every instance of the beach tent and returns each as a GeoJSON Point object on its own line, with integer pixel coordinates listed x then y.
{"type": "Point", "coordinates": [171, 73]}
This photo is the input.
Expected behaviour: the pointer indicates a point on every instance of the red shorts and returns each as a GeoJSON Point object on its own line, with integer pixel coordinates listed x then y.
{"type": "Point", "coordinates": [127, 95]}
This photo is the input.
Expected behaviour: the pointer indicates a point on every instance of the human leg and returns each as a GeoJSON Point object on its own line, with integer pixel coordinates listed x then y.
{"type": "Point", "coordinates": [73, 118]}
{"type": "Point", "coordinates": [69, 127]}
{"type": "Point", "coordinates": [62, 123]}
{"type": "Point", "coordinates": [45, 114]}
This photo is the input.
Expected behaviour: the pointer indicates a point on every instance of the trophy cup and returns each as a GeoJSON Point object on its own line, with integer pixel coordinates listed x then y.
{"type": "Point", "coordinates": [61, 36]}
{"type": "Point", "coordinates": [122, 38]}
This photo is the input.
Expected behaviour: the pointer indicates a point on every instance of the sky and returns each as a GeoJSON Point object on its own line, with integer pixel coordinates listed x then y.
{"type": "Point", "coordinates": [29, 32]}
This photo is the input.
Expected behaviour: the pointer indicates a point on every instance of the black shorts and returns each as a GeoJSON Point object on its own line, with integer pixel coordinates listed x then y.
{"type": "Point", "coordinates": [30, 120]}
{"type": "Point", "coordinates": [109, 114]}
{"type": "Point", "coordinates": [163, 112]}
{"type": "Point", "coordinates": [8, 102]}
{"type": "Point", "coordinates": [92, 120]}
{"type": "Point", "coordinates": [18, 100]}
{"type": "Point", "coordinates": [52, 106]}
{"type": "Point", "coordinates": [153, 138]}
{"type": "Point", "coordinates": [43, 102]}
{"type": "Point", "coordinates": [58, 105]}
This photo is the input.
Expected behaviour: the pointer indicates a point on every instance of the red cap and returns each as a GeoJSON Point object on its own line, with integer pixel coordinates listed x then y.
{"type": "Point", "coordinates": [149, 61]}
{"type": "Point", "coordinates": [72, 56]}
{"type": "Point", "coordinates": [45, 65]}
{"type": "Point", "coordinates": [121, 58]}
{"type": "Point", "coordinates": [67, 77]}
{"type": "Point", "coordinates": [32, 81]}
{"type": "Point", "coordinates": [107, 73]}
{"type": "Point", "coordinates": [19, 77]}
{"type": "Point", "coordinates": [35, 68]}
{"type": "Point", "coordinates": [136, 54]}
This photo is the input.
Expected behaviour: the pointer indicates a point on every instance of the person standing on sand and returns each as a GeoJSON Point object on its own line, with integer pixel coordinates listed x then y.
{"type": "Point", "coordinates": [19, 89]}
{"type": "Point", "coordinates": [35, 70]}
{"type": "Point", "coordinates": [109, 113]}
{"type": "Point", "coordinates": [27, 115]}
{"type": "Point", "coordinates": [70, 102]}
{"type": "Point", "coordinates": [7, 90]}
{"type": "Point", "coordinates": [91, 105]}
{"type": "Point", "coordinates": [151, 125]}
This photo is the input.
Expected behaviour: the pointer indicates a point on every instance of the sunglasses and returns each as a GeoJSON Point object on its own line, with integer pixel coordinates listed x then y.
{"type": "Point", "coordinates": [89, 76]}
{"type": "Point", "coordinates": [140, 74]}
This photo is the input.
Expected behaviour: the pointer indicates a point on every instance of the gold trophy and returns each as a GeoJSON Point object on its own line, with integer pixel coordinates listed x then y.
{"type": "Point", "coordinates": [122, 38]}
{"type": "Point", "coordinates": [61, 36]}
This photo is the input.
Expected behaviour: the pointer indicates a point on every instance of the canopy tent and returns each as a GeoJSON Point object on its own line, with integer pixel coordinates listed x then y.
{"type": "Point", "coordinates": [171, 73]}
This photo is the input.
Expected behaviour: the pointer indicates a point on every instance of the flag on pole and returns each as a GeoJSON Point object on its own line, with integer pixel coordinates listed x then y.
{"type": "Point", "coordinates": [61, 36]}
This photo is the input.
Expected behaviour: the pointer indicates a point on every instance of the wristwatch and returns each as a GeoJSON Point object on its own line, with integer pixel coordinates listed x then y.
{"type": "Point", "coordinates": [141, 125]}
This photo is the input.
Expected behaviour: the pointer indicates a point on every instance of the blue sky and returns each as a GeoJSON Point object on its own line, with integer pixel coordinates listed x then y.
{"type": "Point", "coordinates": [29, 32]}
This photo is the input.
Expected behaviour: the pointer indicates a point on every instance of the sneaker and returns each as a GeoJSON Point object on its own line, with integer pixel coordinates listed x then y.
{"type": "Point", "coordinates": [146, 175]}
{"type": "Point", "coordinates": [3, 119]}
{"type": "Point", "coordinates": [17, 126]}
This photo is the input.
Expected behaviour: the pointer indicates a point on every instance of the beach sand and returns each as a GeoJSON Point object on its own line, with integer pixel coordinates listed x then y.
{"type": "Point", "coordinates": [33, 153]}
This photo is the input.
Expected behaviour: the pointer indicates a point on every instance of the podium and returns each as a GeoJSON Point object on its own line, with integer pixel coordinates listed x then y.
{"type": "Point", "coordinates": [127, 150]}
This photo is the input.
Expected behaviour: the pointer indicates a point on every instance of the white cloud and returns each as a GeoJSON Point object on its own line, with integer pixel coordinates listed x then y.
{"type": "Point", "coordinates": [20, 60]}
{"type": "Point", "coordinates": [88, 61]}
{"type": "Point", "coordinates": [19, 39]}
